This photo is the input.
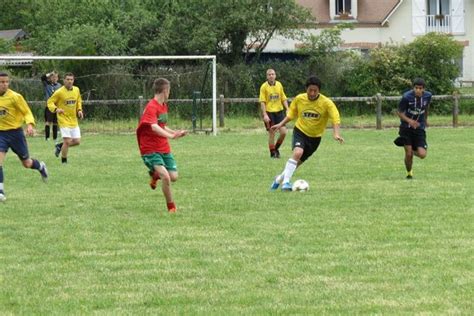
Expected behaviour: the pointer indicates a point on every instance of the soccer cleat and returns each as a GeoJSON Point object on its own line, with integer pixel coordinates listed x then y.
{"type": "Point", "coordinates": [275, 184]}
{"type": "Point", "coordinates": [43, 171]}
{"type": "Point", "coordinates": [399, 141]}
{"type": "Point", "coordinates": [57, 150]}
{"type": "Point", "coordinates": [272, 154]}
{"type": "Point", "coordinates": [409, 177]}
{"type": "Point", "coordinates": [172, 210]}
{"type": "Point", "coordinates": [2, 197]}
{"type": "Point", "coordinates": [277, 153]}
{"type": "Point", "coordinates": [153, 182]}
{"type": "Point", "coordinates": [154, 177]}
{"type": "Point", "coordinates": [286, 186]}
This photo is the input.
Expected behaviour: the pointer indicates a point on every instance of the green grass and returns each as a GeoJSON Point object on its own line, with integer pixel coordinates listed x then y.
{"type": "Point", "coordinates": [242, 122]}
{"type": "Point", "coordinates": [96, 239]}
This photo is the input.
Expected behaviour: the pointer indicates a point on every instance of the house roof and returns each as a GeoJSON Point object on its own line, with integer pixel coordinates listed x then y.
{"type": "Point", "coordinates": [368, 11]}
{"type": "Point", "coordinates": [16, 34]}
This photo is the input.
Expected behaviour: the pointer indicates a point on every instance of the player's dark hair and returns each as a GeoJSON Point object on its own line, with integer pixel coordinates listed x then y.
{"type": "Point", "coordinates": [313, 80]}
{"type": "Point", "coordinates": [3, 74]}
{"type": "Point", "coordinates": [160, 84]}
{"type": "Point", "coordinates": [69, 74]}
{"type": "Point", "coordinates": [419, 82]}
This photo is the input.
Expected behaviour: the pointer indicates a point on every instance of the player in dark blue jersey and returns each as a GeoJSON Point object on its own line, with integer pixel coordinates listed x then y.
{"type": "Point", "coordinates": [413, 113]}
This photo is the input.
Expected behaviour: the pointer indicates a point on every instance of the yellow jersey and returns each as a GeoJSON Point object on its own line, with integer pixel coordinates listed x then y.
{"type": "Point", "coordinates": [14, 111]}
{"type": "Point", "coordinates": [68, 100]}
{"type": "Point", "coordinates": [312, 116]}
{"type": "Point", "coordinates": [273, 96]}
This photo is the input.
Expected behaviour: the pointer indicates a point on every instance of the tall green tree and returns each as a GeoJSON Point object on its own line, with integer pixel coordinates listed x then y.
{"type": "Point", "coordinates": [160, 27]}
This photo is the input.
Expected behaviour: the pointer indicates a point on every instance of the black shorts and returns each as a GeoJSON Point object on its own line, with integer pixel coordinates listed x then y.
{"type": "Point", "coordinates": [275, 118]}
{"type": "Point", "coordinates": [309, 144]}
{"type": "Point", "coordinates": [50, 116]}
{"type": "Point", "coordinates": [414, 137]}
{"type": "Point", "coordinates": [14, 139]}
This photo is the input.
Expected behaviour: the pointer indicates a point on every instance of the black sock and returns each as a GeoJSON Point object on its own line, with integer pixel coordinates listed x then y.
{"type": "Point", "coordinates": [46, 131]}
{"type": "Point", "coordinates": [36, 165]}
{"type": "Point", "coordinates": [55, 132]}
{"type": "Point", "coordinates": [64, 160]}
{"type": "Point", "coordinates": [1, 179]}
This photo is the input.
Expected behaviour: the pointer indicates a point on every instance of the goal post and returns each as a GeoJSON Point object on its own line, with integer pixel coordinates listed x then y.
{"type": "Point", "coordinates": [211, 58]}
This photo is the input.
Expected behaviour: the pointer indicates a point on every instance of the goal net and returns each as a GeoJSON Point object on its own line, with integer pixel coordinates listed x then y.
{"type": "Point", "coordinates": [115, 89]}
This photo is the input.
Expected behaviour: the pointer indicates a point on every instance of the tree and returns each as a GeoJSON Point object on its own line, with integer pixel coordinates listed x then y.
{"type": "Point", "coordinates": [158, 27]}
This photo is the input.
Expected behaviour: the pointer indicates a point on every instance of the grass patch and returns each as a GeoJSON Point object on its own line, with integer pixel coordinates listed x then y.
{"type": "Point", "coordinates": [96, 239]}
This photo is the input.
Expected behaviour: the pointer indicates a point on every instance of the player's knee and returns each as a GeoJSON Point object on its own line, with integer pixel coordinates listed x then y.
{"type": "Point", "coordinates": [297, 153]}
{"type": "Point", "coordinates": [27, 163]}
{"type": "Point", "coordinates": [165, 177]}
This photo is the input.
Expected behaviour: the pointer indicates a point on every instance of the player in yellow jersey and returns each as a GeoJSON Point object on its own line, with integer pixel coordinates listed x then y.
{"type": "Point", "coordinates": [66, 102]}
{"type": "Point", "coordinates": [274, 104]}
{"type": "Point", "coordinates": [312, 111]}
{"type": "Point", "coordinates": [13, 113]}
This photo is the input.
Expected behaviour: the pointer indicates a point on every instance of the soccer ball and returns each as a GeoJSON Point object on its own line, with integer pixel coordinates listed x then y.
{"type": "Point", "coordinates": [300, 185]}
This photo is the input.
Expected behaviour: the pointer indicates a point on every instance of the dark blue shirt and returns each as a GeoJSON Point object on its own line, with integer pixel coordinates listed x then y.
{"type": "Point", "coordinates": [49, 87]}
{"type": "Point", "coordinates": [414, 107]}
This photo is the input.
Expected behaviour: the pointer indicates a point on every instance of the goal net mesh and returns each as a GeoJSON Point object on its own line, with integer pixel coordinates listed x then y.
{"type": "Point", "coordinates": [114, 92]}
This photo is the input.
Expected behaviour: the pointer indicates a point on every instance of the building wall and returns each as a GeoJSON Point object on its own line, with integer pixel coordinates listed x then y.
{"type": "Point", "coordinates": [399, 30]}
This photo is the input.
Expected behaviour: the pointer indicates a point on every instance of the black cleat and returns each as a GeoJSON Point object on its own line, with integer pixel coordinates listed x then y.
{"type": "Point", "coordinates": [57, 150]}
{"type": "Point", "coordinates": [409, 177]}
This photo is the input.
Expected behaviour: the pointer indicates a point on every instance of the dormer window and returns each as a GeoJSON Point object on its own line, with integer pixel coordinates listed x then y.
{"type": "Point", "coordinates": [343, 9]}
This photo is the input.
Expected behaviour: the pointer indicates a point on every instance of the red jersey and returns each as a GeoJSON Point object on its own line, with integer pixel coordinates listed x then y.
{"type": "Point", "coordinates": [148, 141]}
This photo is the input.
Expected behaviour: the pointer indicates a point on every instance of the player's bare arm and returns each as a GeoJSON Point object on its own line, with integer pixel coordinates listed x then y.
{"type": "Point", "coordinates": [161, 131]}
{"type": "Point", "coordinates": [266, 119]}
{"type": "Point", "coordinates": [282, 123]}
{"type": "Point", "coordinates": [336, 134]}
{"type": "Point", "coordinates": [411, 123]}
{"type": "Point", "coordinates": [30, 131]}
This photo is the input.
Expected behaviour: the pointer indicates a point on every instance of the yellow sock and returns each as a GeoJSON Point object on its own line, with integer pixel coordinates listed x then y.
{"type": "Point", "coordinates": [410, 173]}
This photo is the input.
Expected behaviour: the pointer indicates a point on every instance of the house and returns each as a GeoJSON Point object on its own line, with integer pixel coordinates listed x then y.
{"type": "Point", "coordinates": [15, 36]}
{"type": "Point", "coordinates": [398, 21]}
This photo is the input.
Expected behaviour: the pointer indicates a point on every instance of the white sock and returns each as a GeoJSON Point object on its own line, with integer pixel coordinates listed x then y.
{"type": "Point", "coordinates": [279, 178]}
{"type": "Point", "coordinates": [289, 170]}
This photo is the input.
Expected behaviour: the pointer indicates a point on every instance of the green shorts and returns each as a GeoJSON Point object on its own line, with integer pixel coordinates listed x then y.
{"type": "Point", "coordinates": [157, 159]}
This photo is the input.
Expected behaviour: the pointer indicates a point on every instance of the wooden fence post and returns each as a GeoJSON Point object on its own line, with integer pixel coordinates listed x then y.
{"type": "Point", "coordinates": [140, 106]}
{"type": "Point", "coordinates": [379, 111]}
{"type": "Point", "coordinates": [456, 110]}
{"type": "Point", "coordinates": [221, 110]}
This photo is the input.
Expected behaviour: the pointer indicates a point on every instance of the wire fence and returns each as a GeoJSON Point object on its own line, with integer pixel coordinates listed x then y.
{"type": "Point", "coordinates": [121, 115]}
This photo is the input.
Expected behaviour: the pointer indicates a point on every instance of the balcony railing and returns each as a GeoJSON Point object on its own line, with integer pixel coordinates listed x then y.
{"type": "Point", "coordinates": [438, 23]}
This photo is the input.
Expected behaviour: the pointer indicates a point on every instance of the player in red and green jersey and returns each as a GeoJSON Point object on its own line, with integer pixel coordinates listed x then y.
{"type": "Point", "coordinates": [274, 104]}
{"type": "Point", "coordinates": [153, 135]}
{"type": "Point", "coordinates": [312, 111]}
{"type": "Point", "coordinates": [14, 111]}
{"type": "Point", "coordinates": [66, 102]}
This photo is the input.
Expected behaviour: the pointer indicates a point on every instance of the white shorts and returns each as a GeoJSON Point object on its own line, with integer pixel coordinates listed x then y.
{"type": "Point", "coordinates": [71, 132]}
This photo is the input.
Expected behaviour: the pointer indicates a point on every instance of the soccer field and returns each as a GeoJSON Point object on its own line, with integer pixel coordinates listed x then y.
{"type": "Point", "coordinates": [364, 239]}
